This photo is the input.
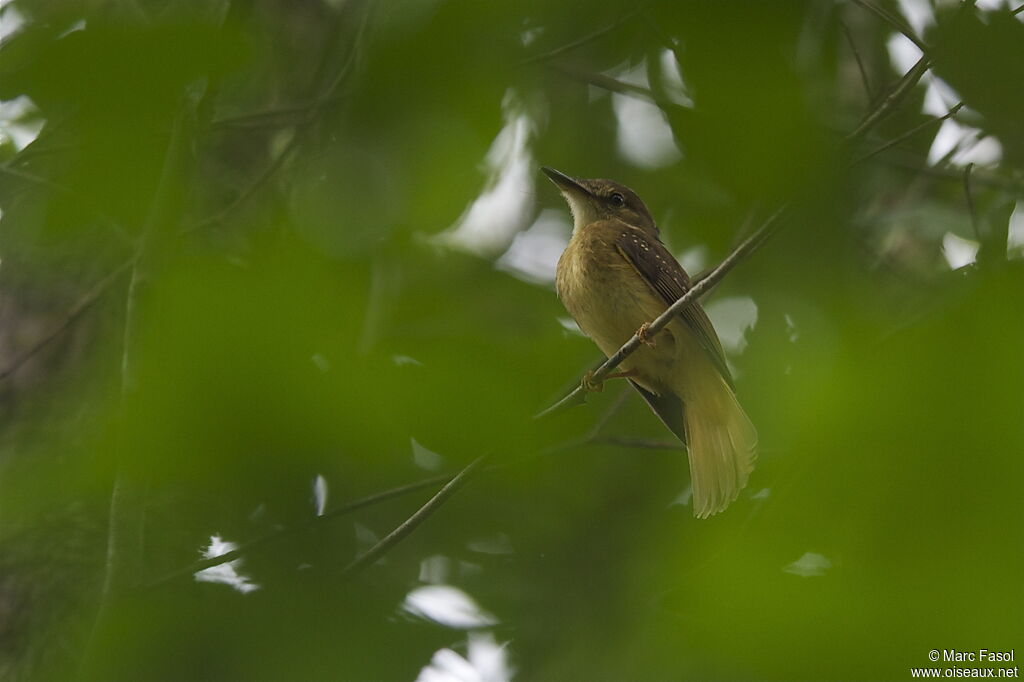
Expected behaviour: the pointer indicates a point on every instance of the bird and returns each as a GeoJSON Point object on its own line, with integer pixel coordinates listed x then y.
{"type": "Point", "coordinates": [615, 277]}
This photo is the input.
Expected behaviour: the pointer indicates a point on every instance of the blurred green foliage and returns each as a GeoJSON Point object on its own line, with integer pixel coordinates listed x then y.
{"type": "Point", "coordinates": [231, 264]}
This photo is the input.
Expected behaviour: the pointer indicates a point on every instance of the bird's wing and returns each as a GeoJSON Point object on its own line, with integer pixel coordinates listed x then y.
{"type": "Point", "coordinates": [659, 268]}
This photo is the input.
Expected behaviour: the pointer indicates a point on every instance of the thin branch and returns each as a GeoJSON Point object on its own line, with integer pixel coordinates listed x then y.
{"type": "Point", "coordinates": [260, 118]}
{"type": "Point", "coordinates": [901, 90]}
{"type": "Point", "coordinates": [76, 311]}
{"type": "Point", "coordinates": [1017, 11]}
{"type": "Point", "coordinates": [329, 95]}
{"type": "Point", "coordinates": [248, 547]}
{"type": "Point", "coordinates": [8, 169]}
{"type": "Point", "coordinates": [970, 201]}
{"type": "Point", "coordinates": [410, 524]}
{"type": "Point", "coordinates": [638, 443]}
{"type": "Point", "coordinates": [856, 56]}
{"type": "Point", "coordinates": [979, 177]}
{"type": "Point", "coordinates": [741, 252]}
{"type": "Point", "coordinates": [124, 531]}
{"type": "Point", "coordinates": [584, 40]}
{"type": "Point", "coordinates": [910, 133]}
{"type": "Point", "coordinates": [605, 82]}
{"type": "Point", "coordinates": [251, 189]}
{"type": "Point", "coordinates": [893, 21]}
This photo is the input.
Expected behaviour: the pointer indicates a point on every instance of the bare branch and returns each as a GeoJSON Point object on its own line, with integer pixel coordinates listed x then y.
{"type": "Point", "coordinates": [978, 177]}
{"type": "Point", "coordinates": [910, 133]}
{"type": "Point", "coordinates": [970, 201]}
{"type": "Point", "coordinates": [76, 311]}
{"type": "Point", "coordinates": [856, 56]}
{"type": "Point", "coordinates": [249, 190]}
{"type": "Point", "coordinates": [584, 40]}
{"type": "Point", "coordinates": [893, 21]}
{"type": "Point", "coordinates": [411, 523]}
{"type": "Point", "coordinates": [330, 94]}
{"type": "Point", "coordinates": [248, 547]}
{"type": "Point", "coordinates": [270, 116]}
{"type": "Point", "coordinates": [603, 81]}
{"type": "Point", "coordinates": [8, 169]}
{"type": "Point", "coordinates": [638, 443]}
{"type": "Point", "coordinates": [895, 97]}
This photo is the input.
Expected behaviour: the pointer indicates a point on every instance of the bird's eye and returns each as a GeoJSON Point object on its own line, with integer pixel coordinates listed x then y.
{"type": "Point", "coordinates": [617, 200]}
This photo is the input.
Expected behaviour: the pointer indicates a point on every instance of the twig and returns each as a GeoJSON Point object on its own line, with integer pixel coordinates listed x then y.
{"type": "Point", "coordinates": [856, 56]}
{"type": "Point", "coordinates": [329, 95]}
{"type": "Point", "coordinates": [125, 516]}
{"type": "Point", "coordinates": [970, 201]}
{"type": "Point", "coordinates": [248, 547]}
{"type": "Point", "coordinates": [605, 82]}
{"type": "Point", "coordinates": [892, 100]}
{"type": "Point", "coordinates": [1017, 11]}
{"type": "Point", "coordinates": [980, 177]}
{"type": "Point", "coordinates": [250, 189]}
{"type": "Point", "coordinates": [639, 443]}
{"type": "Point", "coordinates": [910, 133]}
{"type": "Point", "coordinates": [253, 119]}
{"type": "Point", "coordinates": [410, 524]}
{"type": "Point", "coordinates": [578, 395]}
{"type": "Point", "coordinates": [73, 314]}
{"type": "Point", "coordinates": [7, 169]}
{"type": "Point", "coordinates": [885, 16]}
{"type": "Point", "coordinates": [584, 40]}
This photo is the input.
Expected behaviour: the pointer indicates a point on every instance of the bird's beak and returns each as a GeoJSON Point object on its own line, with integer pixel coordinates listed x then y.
{"type": "Point", "coordinates": [568, 186]}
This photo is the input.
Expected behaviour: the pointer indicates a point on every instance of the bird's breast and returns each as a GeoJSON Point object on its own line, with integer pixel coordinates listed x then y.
{"type": "Point", "coordinates": [609, 300]}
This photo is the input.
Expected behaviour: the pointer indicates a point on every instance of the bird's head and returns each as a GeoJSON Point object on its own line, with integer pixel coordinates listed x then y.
{"type": "Point", "coordinates": [599, 199]}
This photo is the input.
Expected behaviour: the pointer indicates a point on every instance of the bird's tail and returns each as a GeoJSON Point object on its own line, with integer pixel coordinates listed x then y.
{"type": "Point", "coordinates": [722, 445]}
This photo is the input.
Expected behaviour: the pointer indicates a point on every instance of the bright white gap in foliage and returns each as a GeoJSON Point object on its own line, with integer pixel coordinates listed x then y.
{"type": "Point", "coordinates": [643, 135]}
{"type": "Point", "coordinates": [809, 565]}
{"type": "Point", "coordinates": [529, 36]}
{"type": "Point", "coordinates": [425, 458]}
{"type": "Point", "coordinates": [992, 5]}
{"type": "Point", "coordinates": [502, 209]}
{"type": "Point", "coordinates": [320, 494]}
{"type": "Point", "coordinates": [10, 19]}
{"type": "Point", "coordinates": [485, 661]}
{"type": "Point", "coordinates": [902, 53]}
{"type": "Point", "coordinates": [958, 251]}
{"type": "Point", "coordinates": [675, 87]}
{"type": "Point", "coordinates": [534, 253]}
{"type": "Point", "coordinates": [226, 573]}
{"type": "Point", "coordinates": [965, 142]}
{"type": "Point", "coordinates": [694, 259]}
{"type": "Point", "coordinates": [448, 606]}
{"type": "Point", "coordinates": [20, 133]}
{"type": "Point", "coordinates": [733, 317]}
{"type": "Point", "coordinates": [435, 569]}
{"type": "Point", "coordinates": [494, 544]}
{"type": "Point", "coordinates": [939, 97]}
{"type": "Point", "coordinates": [919, 14]}
{"type": "Point", "coordinates": [969, 146]}
{"type": "Point", "coordinates": [1015, 238]}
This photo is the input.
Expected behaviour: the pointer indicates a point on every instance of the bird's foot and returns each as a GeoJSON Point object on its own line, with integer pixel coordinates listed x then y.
{"type": "Point", "coordinates": [588, 383]}
{"type": "Point", "coordinates": [645, 336]}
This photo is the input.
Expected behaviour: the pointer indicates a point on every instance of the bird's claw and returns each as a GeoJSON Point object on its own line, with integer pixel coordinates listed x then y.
{"type": "Point", "coordinates": [644, 335]}
{"type": "Point", "coordinates": [588, 383]}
